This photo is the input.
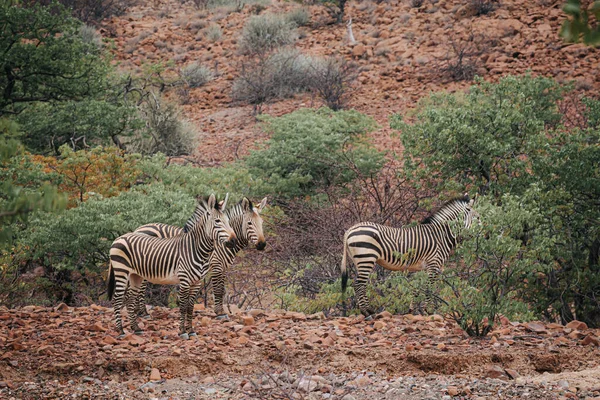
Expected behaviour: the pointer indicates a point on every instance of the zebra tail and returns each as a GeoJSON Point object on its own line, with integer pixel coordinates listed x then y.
{"type": "Point", "coordinates": [111, 281]}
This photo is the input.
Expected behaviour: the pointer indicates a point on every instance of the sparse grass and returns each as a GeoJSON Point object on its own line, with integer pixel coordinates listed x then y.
{"type": "Point", "coordinates": [89, 34]}
{"type": "Point", "coordinates": [213, 33]}
{"type": "Point", "coordinates": [299, 16]}
{"type": "Point", "coordinates": [196, 75]}
{"type": "Point", "coordinates": [198, 25]}
{"type": "Point", "coordinates": [267, 32]}
{"type": "Point", "coordinates": [483, 7]}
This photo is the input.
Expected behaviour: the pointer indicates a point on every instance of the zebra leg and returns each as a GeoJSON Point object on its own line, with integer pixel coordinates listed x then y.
{"type": "Point", "coordinates": [360, 288]}
{"type": "Point", "coordinates": [218, 285]}
{"type": "Point", "coordinates": [141, 301]}
{"type": "Point", "coordinates": [433, 273]}
{"type": "Point", "coordinates": [118, 296]}
{"type": "Point", "coordinates": [183, 301]}
{"type": "Point", "coordinates": [190, 310]}
{"type": "Point", "coordinates": [131, 300]}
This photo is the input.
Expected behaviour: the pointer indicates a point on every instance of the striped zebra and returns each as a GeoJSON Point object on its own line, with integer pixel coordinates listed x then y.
{"type": "Point", "coordinates": [414, 248]}
{"type": "Point", "coordinates": [176, 260]}
{"type": "Point", "coordinates": [246, 222]}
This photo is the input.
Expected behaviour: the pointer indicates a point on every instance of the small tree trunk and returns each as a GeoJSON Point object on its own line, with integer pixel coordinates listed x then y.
{"type": "Point", "coordinates": [351, 39]}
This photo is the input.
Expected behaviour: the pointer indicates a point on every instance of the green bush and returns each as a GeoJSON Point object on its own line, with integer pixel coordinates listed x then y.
{"type": "Point", "coordinates": [264, 33]}
{"type": "Point", "coordinates": [312, 149]}
{"type": "Point", "coordinates": [540, 214]}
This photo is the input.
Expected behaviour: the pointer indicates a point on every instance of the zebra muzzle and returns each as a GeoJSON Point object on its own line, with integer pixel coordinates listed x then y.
{"type": "Point", "coordinates": [231, 242]}
{"type": "Point", "coordinates": [261, 245]}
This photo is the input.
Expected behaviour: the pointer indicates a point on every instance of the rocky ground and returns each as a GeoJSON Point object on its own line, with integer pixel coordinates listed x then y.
{"type": "Point", "coordinates": [402, 52]}
{"type": "Point", "coordinates": [73, 352]}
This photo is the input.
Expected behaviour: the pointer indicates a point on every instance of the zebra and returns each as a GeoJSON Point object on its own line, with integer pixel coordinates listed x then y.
{"type": "Point", "coordinates": [246, 222]}
{"type": "Point", "coordinates": [179, 259]}
{"type": "Point", "coordinates": [414, 248]}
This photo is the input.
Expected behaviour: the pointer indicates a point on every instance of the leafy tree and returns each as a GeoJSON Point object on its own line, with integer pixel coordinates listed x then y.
{"type": "Point", "coordinates": [541, 212]}
{"type": "Point", "coordinates": [579, 28]}
{"type": "Point", "coordinates": [23, 189]}
{"type": "Point", "coordinates": [312, 149]}
{"type": "Point", "coordinates": [101, 171]}
{"type": "Point", "coordinates": [44, 59]}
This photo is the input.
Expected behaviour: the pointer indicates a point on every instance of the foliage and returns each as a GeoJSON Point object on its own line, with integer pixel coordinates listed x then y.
{"type": "Point", "coordinates": [309, 149]}
{"type": "Point", "coordinates": [213, 33]}
{"type": "Point", "coordinates": [196, 75]}
{"type": "Point", "coordinates": [23, 190]}
{"type": "Point", "coordinates": [264, 33]}
{"type": "Point", "coordinates": [79, 238]}
{"type": "Point", "coordinates": [44, 58]}
{"type": "Point", "coordinates": [281, 75]}
{"type": "Point", "coordinates": [479, 140]}
{"type": "Point", "coordinates": [299, 16]}
{"type": "Point", "coordinates": [541, 211]}
{"type": "Point", "coordinates": [579, 27]}
{"type": "Point", "coordinates": [230, 178]}
{"type": "Point", "coordinates": [86, 173]}
{"type": "Point", "coordinates": [166, 132]}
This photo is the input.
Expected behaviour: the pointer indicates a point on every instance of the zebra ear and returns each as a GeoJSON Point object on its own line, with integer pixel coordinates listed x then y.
{"type": "Point", "coordinates": [246, 205]}
{"type": "Point", "coordinates": [262, 205]}
{"type": "Point", "coordinates": [223, 203]}
{"type": "Point", "coordinates": [211, 202]}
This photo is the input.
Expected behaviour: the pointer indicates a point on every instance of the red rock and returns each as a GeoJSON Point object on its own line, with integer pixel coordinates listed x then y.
{"type": "Point", "coordinates": [155, 375]}
{"type": "Point", "coordinates": [97, 327]}
{"type": "Point", "coordinates": [512, 374]}
{"type": "Point", "coordinates": [109, 340]}
{"type": "Point", "coordinates": [496, 372]}
{"type": "Point", "coordinates": [536, 327]}
{"type": "Point", "coordinates": [248, 320]}
{"type": "Point", "coordinates": [62, 307]}
{"type": "Point", "coordinates": [590, 340]}
{"type": "Point", "coordinates": [378, 325]}
{"type": "Point", "coordinates": [452, 391]}
{"type": "Point", "coordinates": [577, 325]}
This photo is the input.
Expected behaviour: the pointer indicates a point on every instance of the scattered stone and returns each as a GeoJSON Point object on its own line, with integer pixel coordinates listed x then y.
{"type": "Point", "coordinates": [536, 327]}
{"type": "Point", "coordinates": [577, 325]}
{"type": "Point", "coordinates": [155, 375]}
{"type": "Point", "coordinates": [248, 320]}
{"type": "Point", "coordinates": [495, 371]}
{"type": "Point", "coordinates": [590, 340]}
{"type": "Point", "coordinates": [452, 391]}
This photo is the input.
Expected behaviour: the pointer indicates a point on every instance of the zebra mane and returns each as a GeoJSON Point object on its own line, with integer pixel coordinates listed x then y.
{"type": "Point", "coordinates": [199, 212]}
{"type": "Point", "coordinates": [447, 211]}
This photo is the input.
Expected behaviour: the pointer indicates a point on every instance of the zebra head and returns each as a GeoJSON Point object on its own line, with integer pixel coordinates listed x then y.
{"type": "Point", "coordinates": [252, 222]}
{"type": "Point", "coordinates": [217, 222]}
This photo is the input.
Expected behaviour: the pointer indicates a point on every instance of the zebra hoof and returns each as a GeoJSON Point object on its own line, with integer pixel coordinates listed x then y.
{"type": "Point", "coordinates": [223, 317]}
{"type": "Point", "coordinates": [146, 317]}
{"type": "Point", "coordinates": [139, 332]}
{"type": "Point", "coordinates": [121, 336]}
{"type": "Point", "coordinates": [369, 318]}
{"type": "Point", "coordinates": [184, 336]}
{"type": "Point", "coordinates": [193, 334]}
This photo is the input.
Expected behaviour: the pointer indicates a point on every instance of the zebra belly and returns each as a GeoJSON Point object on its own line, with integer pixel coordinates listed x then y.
{"type": "Point", "coordinates": [172, 279]}
{"type": "Point", "coordinates": [413, 267]}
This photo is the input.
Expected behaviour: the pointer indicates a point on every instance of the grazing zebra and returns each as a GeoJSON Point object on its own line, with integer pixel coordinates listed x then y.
{"type": "Point", "coordinates": [414, 248]}
{"type": "Point", "coordinates": [176, 260]}
{"type": "Point", "coordinates": [246, 222]}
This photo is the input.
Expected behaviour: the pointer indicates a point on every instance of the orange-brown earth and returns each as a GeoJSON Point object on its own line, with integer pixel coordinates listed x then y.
{"type": "Point", "coordinates": [50, 347]}
{"type": "Point", "coordinates": [400, 50]}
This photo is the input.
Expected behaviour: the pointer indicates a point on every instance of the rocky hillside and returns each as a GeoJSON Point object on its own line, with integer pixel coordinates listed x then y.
{"type": "Point", "coordinates": [404, 53]}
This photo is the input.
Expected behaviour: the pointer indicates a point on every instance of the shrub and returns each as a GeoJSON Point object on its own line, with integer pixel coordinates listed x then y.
{"type": "Point", "coordinates": [89, 34]}
{"type": "Point", "coordinates": [462, 58]}
{"type": "Point", "coordinates": [196, 75]}
{"type": "Point", "coordinates": [332, 80]}
{"type": "Point", "coordinates": [165, 131]}
{"type": "Point", "coordinates": [299, 16]}
{"type": "Point", "coordinates": [267, 32]}
{"type": "Point", "coordinates": [213, 33]}
{"type": "Point", "coordinates": [506, 140]}
{"type": "Point", "coordinates": [310, 149]}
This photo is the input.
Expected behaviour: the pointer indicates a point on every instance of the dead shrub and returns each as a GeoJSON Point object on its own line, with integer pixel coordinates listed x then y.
{"type": "Point", "coordinates": [460, 63]}
{"type": "Point", "coordinates": [332, 79]}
